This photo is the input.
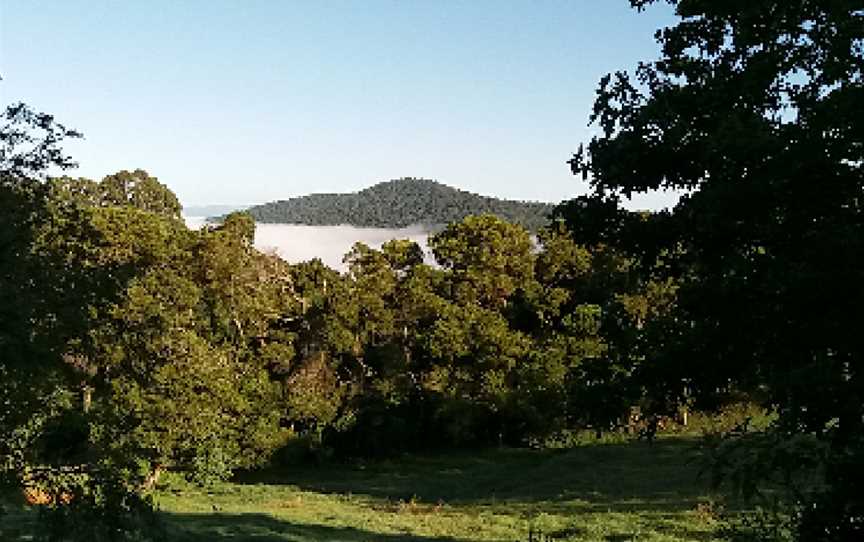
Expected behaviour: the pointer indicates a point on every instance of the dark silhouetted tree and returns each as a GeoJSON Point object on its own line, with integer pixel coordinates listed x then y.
{"type": "Point", "coordinates": [754, 109]}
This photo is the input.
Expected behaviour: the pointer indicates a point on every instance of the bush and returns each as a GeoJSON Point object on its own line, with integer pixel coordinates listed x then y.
{"type": "Point", "coordinates": [101, 510]}
{"type": "Point", "coordinates": [307, 449]}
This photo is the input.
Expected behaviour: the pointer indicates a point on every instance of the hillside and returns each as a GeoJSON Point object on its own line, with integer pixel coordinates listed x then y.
{"type": "Point", "coordinates": [399, 203]}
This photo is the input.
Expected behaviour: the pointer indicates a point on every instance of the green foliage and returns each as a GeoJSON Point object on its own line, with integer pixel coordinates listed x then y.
{"type": "Point", "coordinates": [123, 189]}
{"type": "Point", "coordinates": [31, 144]}
{"type": "Point", "coordinates": [129, 344]}
{"type": "Point", "coordinates": [183, 383]}
{"type": "Point", "coordinates": [102, 510]}
{"type": "Point", "coordinates": [202, 355]}
{"type": "Point", "coordinates": [754, 110]}
{"type": "Point", "coordinates": [497, 345]}
{"type": "Point", "coordinates": [489, 259]}
{"type": "Point", "coordinates": [45, 299]}
{"type": "Point", "coordinates": [398, 204]}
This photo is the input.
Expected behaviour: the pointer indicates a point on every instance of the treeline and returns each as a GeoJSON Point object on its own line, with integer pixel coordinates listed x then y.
{"type": "Point", "coordinates": [500, 344]}
{"type": "Point", "coordinates": [196, 334]}
{"type": "Point", "coordinates": [398, 204]}
{"type": "Point", "coordinates": [144, 345]}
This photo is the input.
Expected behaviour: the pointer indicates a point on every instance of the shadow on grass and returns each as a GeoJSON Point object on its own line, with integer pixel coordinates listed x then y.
{"type": "Point", "coordinates": [17, 522]}
{"type": "Point", "coordinates": [622, 477]}
{"type": "Point", "coordinates": [264, 528]}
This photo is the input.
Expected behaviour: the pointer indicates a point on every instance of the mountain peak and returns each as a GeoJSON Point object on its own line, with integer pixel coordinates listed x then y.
{"type": "Point", "coordinates": [399, 203]}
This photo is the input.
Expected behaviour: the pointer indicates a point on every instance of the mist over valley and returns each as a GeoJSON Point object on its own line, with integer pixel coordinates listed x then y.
{"type": "Point", "coordinates": [326, 226]}
{"type": "Point", "coordinates": [296, 243]}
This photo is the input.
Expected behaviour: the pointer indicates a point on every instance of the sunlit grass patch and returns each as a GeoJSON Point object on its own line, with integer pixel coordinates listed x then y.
{"type": "Point", "coordinates": [628, 491]}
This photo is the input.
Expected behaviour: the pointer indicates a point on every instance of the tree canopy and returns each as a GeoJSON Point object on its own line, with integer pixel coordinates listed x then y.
{"type": "Point", "coordinates": [754, 110]}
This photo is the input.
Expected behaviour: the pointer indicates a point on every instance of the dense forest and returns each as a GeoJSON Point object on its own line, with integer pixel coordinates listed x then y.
{"type": "Point", "coordinates": [400, 203]}
{"type": "Point", "coordinates": [131, 345]}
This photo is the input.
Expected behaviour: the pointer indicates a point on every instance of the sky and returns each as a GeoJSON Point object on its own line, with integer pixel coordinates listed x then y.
{"type": "Point", "coordinates": [231, 102]}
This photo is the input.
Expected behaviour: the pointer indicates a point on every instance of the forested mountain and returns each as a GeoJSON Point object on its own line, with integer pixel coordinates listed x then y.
{"type": "Point", "coordinates": [399, 203]}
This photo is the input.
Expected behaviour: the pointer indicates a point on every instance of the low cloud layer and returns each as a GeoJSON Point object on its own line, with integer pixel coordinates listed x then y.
{"type": "Point", "coordinates": [297, 243]}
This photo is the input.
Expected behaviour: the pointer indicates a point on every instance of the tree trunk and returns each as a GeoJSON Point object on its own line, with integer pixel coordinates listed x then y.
{"type": "Point", "coordinates": [153, 478]}
{"type": "Point", "coordinates": [86, 398]}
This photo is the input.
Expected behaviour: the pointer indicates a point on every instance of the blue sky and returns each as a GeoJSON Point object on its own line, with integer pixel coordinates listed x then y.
{"type": "Point", "coordinates": [245, 102]}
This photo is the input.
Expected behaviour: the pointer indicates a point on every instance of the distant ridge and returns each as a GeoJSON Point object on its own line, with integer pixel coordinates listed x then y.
{"type": "Point", "coordinates": [397, 204]}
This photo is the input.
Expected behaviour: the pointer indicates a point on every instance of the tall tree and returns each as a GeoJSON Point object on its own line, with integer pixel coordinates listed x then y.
{"type": "Point", "coordinates": [754, 110]}
{"type": "Point", "coordinates": [30, 147]}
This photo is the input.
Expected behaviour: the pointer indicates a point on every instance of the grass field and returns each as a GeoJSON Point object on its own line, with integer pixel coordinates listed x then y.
{"type": "Point", "coordinates": [609, 492]}
{"type": "Point", "coordinates": [606, 492]}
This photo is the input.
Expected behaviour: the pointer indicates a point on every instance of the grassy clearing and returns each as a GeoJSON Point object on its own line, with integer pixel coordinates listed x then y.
{"type": "Point", "coordinates": [608, 492]}
{"type": "Point", "coordinates": [605, 492]}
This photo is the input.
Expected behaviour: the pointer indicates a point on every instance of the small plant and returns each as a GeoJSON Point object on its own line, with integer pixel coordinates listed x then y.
{"type": "Point", "coordinates": [761, 525]}
{"type": "Point", "coordinates": [709, 511]}
{"type": "Point", "coordinates": [411, 506]}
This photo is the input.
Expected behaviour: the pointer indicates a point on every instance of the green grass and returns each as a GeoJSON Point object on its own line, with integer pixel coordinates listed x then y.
{"type": "Point", "coordinates": [607, 492]}
{"type": "Point", "coordinates": [604, 492]}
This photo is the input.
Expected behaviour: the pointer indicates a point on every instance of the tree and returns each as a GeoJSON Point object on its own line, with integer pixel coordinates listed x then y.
{"type": "Point", "coordinates": [322, 325]}
{"type": "Point", "coordinates": [189, 348]}
{"type": "Point", "coordinates": [40, 421]}
{"type": "Point", "coordinates": [123, 189]}
{"type": "Point", "coordinates": [489, 258]}
{"type": "Point", "coordinates": [140, 190]}
{"type": "Point", "coordinates": [754, 110]}
{"type": "Point", "coordinates": [174, 336]}
{"type": "Point", "coordinates": [30, 145]}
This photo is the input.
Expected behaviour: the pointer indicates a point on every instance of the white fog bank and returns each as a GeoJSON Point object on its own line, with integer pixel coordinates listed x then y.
{"type": "Point", "coordinates": [296, 243]}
